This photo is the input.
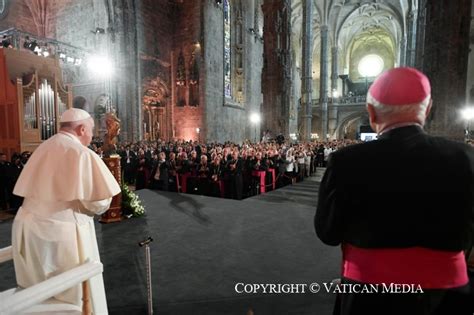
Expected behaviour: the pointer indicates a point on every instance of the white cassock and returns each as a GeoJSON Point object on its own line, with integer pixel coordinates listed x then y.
{"type": "Point", "coordinates": [64, 184]}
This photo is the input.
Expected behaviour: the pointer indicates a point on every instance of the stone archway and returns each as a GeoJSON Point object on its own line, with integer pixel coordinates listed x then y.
{"type": "Point", "coordinates": [156, 109]}
{"type": "Point", "coordinates": [347, 126]}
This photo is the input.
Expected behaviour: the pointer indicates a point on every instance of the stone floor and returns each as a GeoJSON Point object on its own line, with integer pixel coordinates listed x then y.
{"type": "Point", "coordinates": [204, 246]}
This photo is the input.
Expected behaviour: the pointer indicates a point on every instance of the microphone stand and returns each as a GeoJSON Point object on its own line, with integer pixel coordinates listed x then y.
{"type": "Point", "coordinates": [146, 243]}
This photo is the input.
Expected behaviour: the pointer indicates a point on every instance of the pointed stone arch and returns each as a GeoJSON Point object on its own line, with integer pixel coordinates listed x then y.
{"type": "Point", "coordinates": [156, 106]}
{"type": "Point", "coordinates": [348, 119]}
{"type": "Point", "coordinates": [155, 92]}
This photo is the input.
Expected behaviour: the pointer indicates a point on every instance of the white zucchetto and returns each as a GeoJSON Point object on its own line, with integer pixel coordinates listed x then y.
{"type": "Point", "coordinates": [74, 114]}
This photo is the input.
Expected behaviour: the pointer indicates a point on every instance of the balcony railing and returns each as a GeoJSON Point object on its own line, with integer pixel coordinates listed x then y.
{"type": "Point", "coordinates": [344, 100]}
{"type": "Point", "coordinates": [47, 47]}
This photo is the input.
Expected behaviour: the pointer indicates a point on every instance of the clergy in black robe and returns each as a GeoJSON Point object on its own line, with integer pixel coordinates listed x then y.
{"type": "Point", "coordinates": [401, 207]}
{"type": "Point", "coordinates": [4, 169]}
{"type": "Point", "coordinates": [203, 176]}
{"type": "Point", "coordinates": [215, 177]}
{"type": "Point", "coordinates": [235, 176]}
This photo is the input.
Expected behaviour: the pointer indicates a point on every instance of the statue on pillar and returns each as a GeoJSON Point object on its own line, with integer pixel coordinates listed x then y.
{"type": "Point", "coordinates": [112, 124]}
{"type": "Point", "coordinates": [112, 160]}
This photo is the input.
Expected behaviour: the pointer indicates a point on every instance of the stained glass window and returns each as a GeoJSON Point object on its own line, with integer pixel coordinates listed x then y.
{"type": "Point", "coordinates": [227, 50]}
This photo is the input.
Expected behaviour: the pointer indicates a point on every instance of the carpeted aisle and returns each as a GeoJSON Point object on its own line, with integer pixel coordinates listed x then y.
{"type": "Point", "coordinates": [204, 246]}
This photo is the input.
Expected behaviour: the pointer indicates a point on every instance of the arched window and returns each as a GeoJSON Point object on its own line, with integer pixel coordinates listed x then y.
{"type": "Point", "coordinates": [370, 65]}
{"type": "Point", "coordinates": [227, 50]}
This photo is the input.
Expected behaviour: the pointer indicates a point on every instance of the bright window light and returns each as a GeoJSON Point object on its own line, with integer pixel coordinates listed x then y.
{"type": "Point", "coordinates": [370, 66]}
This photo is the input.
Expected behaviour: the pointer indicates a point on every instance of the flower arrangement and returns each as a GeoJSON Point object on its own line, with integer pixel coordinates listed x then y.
{"type": "Point", "coordinates": [131, 204]}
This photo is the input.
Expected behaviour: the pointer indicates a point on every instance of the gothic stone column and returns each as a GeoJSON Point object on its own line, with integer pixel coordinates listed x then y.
{"type": "Point", "coordinates": [276, 73]}
{"type": "Point", "coordinates": [412, 22]}
{"type": "Point", "coordinates": [307, 62]}
{"type": "Point", "coordinates": [323, 98]}
{"type": "Point", "coordinates": [334, 68]}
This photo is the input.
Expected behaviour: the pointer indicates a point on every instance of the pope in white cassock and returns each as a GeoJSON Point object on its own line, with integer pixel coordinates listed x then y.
{"type": "Point", "coordinates": [64, 185]}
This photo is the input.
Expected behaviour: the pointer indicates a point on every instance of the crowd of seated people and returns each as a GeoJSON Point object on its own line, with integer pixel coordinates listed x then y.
{"type": "Point", "coordinates": [221, 170]}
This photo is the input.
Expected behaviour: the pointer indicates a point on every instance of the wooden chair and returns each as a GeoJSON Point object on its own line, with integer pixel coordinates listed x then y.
{"type": "Point", "coordinates": [38, 299]}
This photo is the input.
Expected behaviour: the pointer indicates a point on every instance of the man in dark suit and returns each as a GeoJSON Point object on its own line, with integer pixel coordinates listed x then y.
{"type": "Point", "coordinates": [280, 139]}
{"type": "Point", "coordinates": [4, 181]}
{"type": "Point", "coordinates": [159, 174]}
{"type": "Point", "coordinates": [234, 167]}
{"type": "Point", "coordinates": [128, 163]}
{"type": "Point", "coordinates": [401, 207]}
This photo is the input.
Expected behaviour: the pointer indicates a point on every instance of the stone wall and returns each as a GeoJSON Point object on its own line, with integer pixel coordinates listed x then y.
{"type": "Point", "coordinates": [138, 41]}
{"type": "Point", "coordinates": [155, 29]}
{"type": "Point", "coordinates": [19, 16]}
{"type": "Point", "coordinates": [470, 69]}
{"type": "Point", "coordinates": [189, 104]}
{"type": "Point", "coordinates": [447, 26]}
{"type": "Point", "coordinates": [227, 120]}
{"type": "Point", "coordinates": [75, 25]}
{"type": "Point", "coordinates": [25, 16]}
{"type": "Point", "coordinates": [253, 65]}
{"type": "Point", "coordinates": [143, 40]}
{"type": "Point", "coordinates": [277, 66]}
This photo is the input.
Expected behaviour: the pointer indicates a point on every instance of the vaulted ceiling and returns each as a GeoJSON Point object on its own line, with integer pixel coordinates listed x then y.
{"type": "Point", "coordinates": [352, 23]}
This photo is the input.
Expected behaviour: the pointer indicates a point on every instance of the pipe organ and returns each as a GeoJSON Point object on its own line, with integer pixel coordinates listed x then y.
{"type": "Point", "coordinates": [49, 99]}
{"type": "Point", "coordinates": [47, 113]}
{"type": "Point", "coordinates": [33, 114]}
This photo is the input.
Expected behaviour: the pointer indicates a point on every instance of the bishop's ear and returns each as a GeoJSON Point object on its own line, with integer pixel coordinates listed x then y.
{"type": "Point", "coordinates": [428, 108]}
{"type": "Point", "coordinates": [372, 115]}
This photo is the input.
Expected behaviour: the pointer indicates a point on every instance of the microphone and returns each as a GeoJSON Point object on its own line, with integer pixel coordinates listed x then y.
{"type": "Point", "coordinates": [145, 242]}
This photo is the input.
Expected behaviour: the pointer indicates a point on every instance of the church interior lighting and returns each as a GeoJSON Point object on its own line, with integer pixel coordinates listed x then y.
{"type": "Point", "coordinates": [6, 42]}
{"type": "Point", "coordinates": [370, 66]}
{"type": "Point", "coordinates": [100, 65]}
{"type": "Point", "coordinates": [468, 113]}
{"type": "Point", "coordinates": [30, 44]}
{"type": "Point", "coordinates": [44, 51]}
{"type": "Point", "coordinates": [99, 30]}
{"type": "Point", "coordinates": [255, 118]}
